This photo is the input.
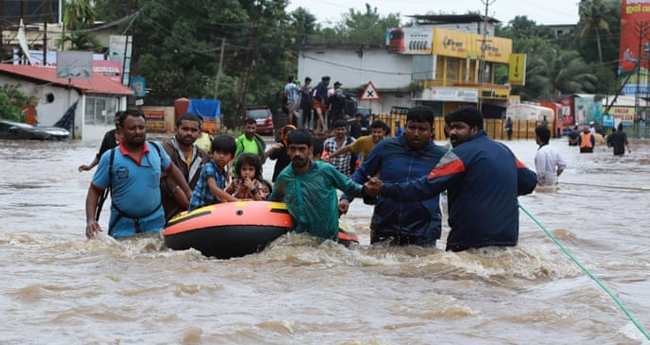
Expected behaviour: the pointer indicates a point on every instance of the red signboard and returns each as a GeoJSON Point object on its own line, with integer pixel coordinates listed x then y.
{"type": "Point", "coordinates": [635, 18]}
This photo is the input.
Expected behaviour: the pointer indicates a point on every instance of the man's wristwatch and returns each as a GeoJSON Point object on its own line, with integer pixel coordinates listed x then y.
{"type": "Point", "coordinates": [254, 191]}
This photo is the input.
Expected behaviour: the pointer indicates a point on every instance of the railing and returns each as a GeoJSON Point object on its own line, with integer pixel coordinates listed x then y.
{"type": "Point", "coordinates": [495, 128]}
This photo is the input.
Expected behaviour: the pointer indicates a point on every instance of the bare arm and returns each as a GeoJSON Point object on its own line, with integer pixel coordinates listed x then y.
{"type": "Point", "coordinates": [212, 183]}
{"type": "Point", "coordinates": [89, 166]}
{"type": "Point", "coordinates": [343, 150]}
{"type": "Point", "coordinates": [92, 199]}
{"type": "Point", "coordinates": [178, 177]}
{"type": "Point", "coordinates": [274, 147]}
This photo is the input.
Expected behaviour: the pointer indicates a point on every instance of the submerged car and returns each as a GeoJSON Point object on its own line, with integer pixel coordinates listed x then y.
{"type": "Point", "coordinates": [17, 130]}
{"type": "Point", "coordinates": [263, 117]}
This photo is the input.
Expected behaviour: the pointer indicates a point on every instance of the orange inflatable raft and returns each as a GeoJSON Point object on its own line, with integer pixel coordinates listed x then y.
{"type": "Point", "coordinates": [233, 229]}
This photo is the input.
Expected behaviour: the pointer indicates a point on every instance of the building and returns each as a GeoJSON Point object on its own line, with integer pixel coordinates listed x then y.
{"type": "Point", "coordinates": [561, 29]}
{"type": "Point", "coordinates": [436, 63]}
{"type": "Point", "coordinates": [97, 99]}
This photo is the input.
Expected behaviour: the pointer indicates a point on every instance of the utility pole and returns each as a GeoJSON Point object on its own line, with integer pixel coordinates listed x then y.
{"type": "Point", "coordinates": [216, 83]}
{"type": "Point", "coordinates": [642, 32]}
{"type": "Point", "coordinates": [481, 61]}
{"type": "Point", "coordinates": [47, 17]}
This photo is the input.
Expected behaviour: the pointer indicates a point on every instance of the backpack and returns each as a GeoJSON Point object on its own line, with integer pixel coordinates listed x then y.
{"type": "Point", "coordinates": [109, 189]}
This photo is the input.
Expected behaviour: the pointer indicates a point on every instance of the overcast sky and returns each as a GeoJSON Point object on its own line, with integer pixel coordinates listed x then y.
{"type": "Point", "coordinates": [541, 11]}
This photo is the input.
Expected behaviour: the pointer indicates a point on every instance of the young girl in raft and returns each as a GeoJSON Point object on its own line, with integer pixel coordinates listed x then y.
{"type": "Point", "coordinates": [247, 184]}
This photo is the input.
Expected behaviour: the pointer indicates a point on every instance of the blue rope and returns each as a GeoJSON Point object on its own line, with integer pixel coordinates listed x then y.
{"type": "Point", "coordinates": [609, 292]}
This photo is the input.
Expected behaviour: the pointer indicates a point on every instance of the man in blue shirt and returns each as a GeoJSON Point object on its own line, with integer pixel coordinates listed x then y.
{"type": "Point", "coordinates": [483, 179]}
{"type": "Point", "coordinates": [403, 158]}
{"type": "Point", "coordinates": [132, 170]}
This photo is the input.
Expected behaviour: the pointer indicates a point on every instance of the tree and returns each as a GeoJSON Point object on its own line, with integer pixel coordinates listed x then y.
{"type": "Point", "coordinates": [177, 46]}
{"type": "Point", "coordinates": [367, 27]}
{"type": "Point", "coordinates": [304, 25]}
{"type": "Point", "coordinates": [12, 100]}
{"type": "Point", "coordinates": [522, 27]}
{"type": "Point", "coordinates": [593, 13]}
{"type": "Point", "coordinates": [77, 16]}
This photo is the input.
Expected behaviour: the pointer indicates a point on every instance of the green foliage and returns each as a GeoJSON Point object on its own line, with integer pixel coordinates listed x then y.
{"type": "Point", "coordinates": [78, 15]}
{"type": "Point", "coordinates": [303, 24]}
{"type": "Point", "coordinates": [11, 100]}
{"type": "Point", "coordinates": [522, 28]}
{"type": "Point", "coordinates": [365, 27]}
{"type": "Point", "coordinates": [593, 15]}
{"type": "Point", "coordinates": [177, 48]}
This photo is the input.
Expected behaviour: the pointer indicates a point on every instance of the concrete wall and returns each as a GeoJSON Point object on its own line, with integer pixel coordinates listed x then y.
{"type": "Point", "coordinates": [389, 73]}
{"type": "Point", "coordinates": [355, 68]}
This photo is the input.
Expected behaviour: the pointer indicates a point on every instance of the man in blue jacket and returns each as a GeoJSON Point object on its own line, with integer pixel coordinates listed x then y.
{"type": "Point", "coordinates": [400, 159]}
{"type": "Point", "coordinates": [483, 179]}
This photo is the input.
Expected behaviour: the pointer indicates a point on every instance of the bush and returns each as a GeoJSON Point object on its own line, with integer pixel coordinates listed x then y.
{"type": "Point", "coordinates": [11, 101]}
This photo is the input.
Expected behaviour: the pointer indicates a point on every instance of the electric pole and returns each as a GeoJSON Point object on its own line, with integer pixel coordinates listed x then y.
{"type": "Point", "coordinates": [216, 83]}
{"type": "Point", "coordinates": [481, 61]}
{"type": "Point", "coordinates": [642, 32]}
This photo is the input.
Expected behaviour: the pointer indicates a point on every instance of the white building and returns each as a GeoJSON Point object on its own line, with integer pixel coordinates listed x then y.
{"type": "Point", "coordinates": [97, 99]}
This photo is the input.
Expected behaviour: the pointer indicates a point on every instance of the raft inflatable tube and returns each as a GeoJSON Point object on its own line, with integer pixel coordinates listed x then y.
{"type": "Point", "coordinates": [230, 229]}
{"type": "Point", "coordinates": [235, 229]}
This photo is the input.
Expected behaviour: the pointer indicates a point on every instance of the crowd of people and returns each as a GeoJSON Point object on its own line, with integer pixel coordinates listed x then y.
{"type": "Point", "coordinates": [402, 176]}
{"type": "Point", "coordinates": [320, 106]}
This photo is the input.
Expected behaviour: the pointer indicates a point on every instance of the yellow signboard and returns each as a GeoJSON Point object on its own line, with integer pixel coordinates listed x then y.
{"type": "Point", "coordinates": [466, 45]}
{"type": "Point", "coordinates": [517, 73]}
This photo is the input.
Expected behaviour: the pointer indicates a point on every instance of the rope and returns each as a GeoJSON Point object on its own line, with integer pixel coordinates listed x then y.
{"type": "Point", "coordinates": [609, 292]}
{"type": "Point", "coordinates": [604, 186]}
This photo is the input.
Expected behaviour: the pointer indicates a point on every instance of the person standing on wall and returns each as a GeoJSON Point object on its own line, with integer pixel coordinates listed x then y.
{"type": "Point", "coordinates": [292, 90]}
{"type": "Point", "coordinates": [307, 104]}
{"type": "Point", "coordinates": [320, 97]}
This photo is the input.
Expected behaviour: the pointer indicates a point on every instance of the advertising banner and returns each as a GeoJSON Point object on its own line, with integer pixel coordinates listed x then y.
{"type": "Point", "coordinates": [74, 65]}
{"type": "Point", "coordinates": [448, 94]}
{"type": "Point", "coordinates": [139, 85]}
{"type": "Point", "coordinates": [119, 49]}
{"type": "Point", "coordinates": [634, 19]}
{"type": "Point", "coordinates": [623, 114]}
{"type": "Point", "coordinates": [465, 45]}
{"type": "Point", "coordinates": [410, 41]}
{"type": "Point", "coordinates": [517, 69]}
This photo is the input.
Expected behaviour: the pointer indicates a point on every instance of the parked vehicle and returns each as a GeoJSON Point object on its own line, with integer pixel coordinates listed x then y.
{"type": "Point", "coordinates": [17, 130]}
{"type": "Point", "coordinates": [263, 117]}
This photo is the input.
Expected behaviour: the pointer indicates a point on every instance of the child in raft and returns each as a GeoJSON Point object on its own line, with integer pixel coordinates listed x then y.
{"type": "Point", "coordinates": [210, 187]}
{"type": "Point", "coordinates": [247, 184]}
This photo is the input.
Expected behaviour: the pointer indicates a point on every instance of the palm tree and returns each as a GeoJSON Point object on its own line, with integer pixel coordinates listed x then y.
{"type": "Point", "coordinates": [593, 14]}
{"type": "Point", "coordinates": [550, 71]}
{"type": "Point", "coordinates": [78, 15]}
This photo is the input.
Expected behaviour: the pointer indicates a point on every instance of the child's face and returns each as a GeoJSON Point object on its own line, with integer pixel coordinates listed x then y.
{"type": "Point", "coordinates": [247, 171]}
{"type": "Point", "coordinates": [222, 158]}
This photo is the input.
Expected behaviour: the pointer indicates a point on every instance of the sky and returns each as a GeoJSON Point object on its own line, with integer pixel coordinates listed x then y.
{"type": "Point", "coordinates": [541, 11]}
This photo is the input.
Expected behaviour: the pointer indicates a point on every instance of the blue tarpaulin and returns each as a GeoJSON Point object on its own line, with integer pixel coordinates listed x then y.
{"type": "Point", "coordinates": [206, 108]}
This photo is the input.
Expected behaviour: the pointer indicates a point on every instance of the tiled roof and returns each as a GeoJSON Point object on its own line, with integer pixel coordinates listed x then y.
{"type": "Point", "coordinates": [99, 84]}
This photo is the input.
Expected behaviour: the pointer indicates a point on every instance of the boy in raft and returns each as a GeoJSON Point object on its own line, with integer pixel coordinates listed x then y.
{"type": "Point", "coordinates": [210, 187]}
{"type": "Point", "coordinates": [309, 189]}
{"type": "Point", "coordinates": [247, 184]}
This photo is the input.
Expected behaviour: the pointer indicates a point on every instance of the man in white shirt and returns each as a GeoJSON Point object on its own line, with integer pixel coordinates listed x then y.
{"type": "Point", "coordinates": [548, 162]}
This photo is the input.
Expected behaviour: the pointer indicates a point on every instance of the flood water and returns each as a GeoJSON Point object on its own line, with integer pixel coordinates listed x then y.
{"type": "Point", "coordinates": [59, 288]}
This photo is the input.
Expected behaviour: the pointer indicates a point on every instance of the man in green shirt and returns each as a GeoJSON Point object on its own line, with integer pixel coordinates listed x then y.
{"type": "Point", "coordinates": [309, 189]}
{"type": "Point", "coordinates": [250, 142]}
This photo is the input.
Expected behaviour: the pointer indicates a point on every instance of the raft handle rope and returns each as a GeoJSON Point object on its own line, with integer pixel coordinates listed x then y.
{"type": "Point", "coordinates": [609, 292]}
